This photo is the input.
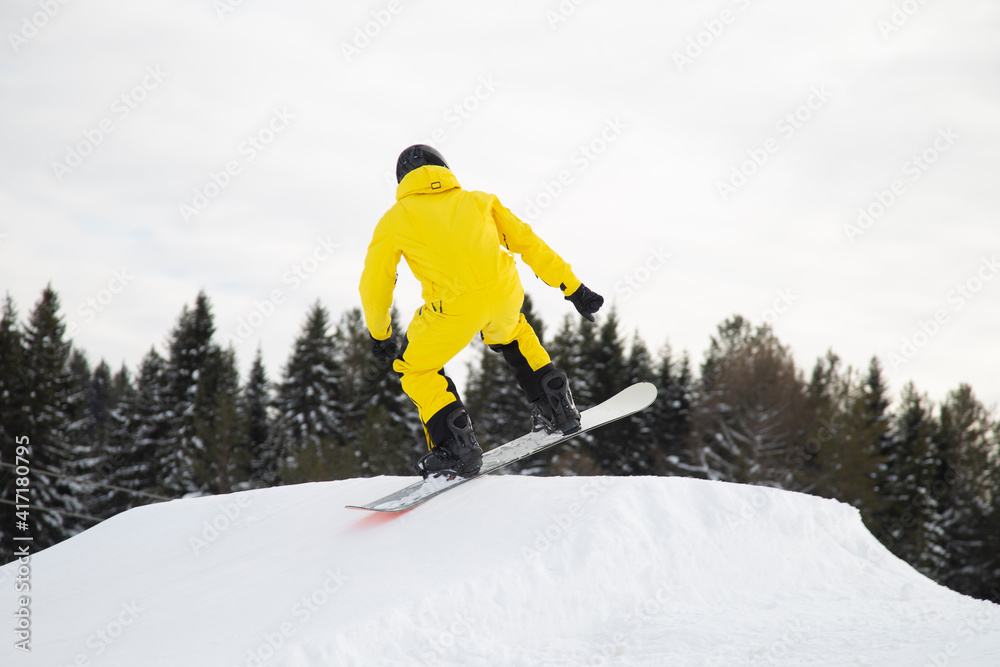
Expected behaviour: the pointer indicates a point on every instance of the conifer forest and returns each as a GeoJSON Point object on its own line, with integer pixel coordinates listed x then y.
{"type": "Point", "coordinates": [923, 474]}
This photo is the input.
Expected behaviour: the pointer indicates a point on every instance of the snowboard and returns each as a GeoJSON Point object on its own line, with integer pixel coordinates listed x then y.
{"type": "Point", "coordinates": [626, 402]}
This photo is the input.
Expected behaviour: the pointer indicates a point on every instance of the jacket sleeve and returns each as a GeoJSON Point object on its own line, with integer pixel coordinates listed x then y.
{"type": "Point", "coordinates": [518, 237]}
{"type": "Point", "coordinates": [379, 279]}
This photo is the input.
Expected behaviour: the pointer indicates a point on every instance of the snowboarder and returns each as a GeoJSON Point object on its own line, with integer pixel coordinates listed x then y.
{"type": "Point", "coordinates": [458, 244]}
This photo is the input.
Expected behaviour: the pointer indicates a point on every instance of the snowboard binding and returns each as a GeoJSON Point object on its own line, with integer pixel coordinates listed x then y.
{"type": "Point", "coordinates": [459, 454]}
{"type": "Point", "coordinates": [556, 410]}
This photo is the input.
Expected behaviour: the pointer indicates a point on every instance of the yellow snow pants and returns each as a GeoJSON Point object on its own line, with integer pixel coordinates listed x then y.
{"type": "Point", "coordinates": [441, 329]}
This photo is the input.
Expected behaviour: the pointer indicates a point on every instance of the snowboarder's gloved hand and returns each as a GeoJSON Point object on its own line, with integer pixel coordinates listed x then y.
{"type": "Point", "coordinates": [385, 350]}
{"type": "Point", "coordinates": [586, 301]}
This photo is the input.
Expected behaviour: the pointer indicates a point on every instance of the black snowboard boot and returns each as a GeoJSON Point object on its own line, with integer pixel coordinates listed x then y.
{"type": "Point", "coordinates": [455, 450]}
{"type": "Point", "coordinates": [555, 411]}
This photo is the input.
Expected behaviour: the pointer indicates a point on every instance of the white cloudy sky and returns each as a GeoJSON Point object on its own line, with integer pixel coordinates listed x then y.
{"type": "Point", "coordinates": [141, 102]}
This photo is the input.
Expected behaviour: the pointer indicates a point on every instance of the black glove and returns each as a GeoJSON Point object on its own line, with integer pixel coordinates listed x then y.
{"type": "Point", "coordinates": [586, 301]}
{"type": "Point", "coordinates": [385, 350]}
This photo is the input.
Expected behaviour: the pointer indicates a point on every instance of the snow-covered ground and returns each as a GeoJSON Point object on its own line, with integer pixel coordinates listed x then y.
{"type": "Point", "coordinates": [506, 570]}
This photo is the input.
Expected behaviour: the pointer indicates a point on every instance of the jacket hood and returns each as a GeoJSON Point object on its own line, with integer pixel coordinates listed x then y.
{"type": "Point", "coordinates": [426, 180]}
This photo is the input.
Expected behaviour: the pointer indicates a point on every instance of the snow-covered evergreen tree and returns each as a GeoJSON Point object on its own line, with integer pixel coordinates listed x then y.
{"type": "Point", "coordinates": [141, 436]}
{"type": "Point", "coordinates": [566, 352]}
{"type": "Point", "coordinates": [988, 552]}
{"type": "Point", "coordinates": [92, 424]}
{"type": "Point", "coordinates": [568, 349]}
{"type": "Point", "coordinates": [106, 471]}
{"type": "Point", "coordinates": [14, 416]}
{"type": "Point", "coordinates": [382, 428]}
{"type": "Point", "coordinates": [967, 447]}
{"type": "Point", "coordinates": [908, 521]}
{"type": "Point", "coordinates": [221, 459]}
{"type": "Point", "coordinates": [631, 447]}
{"type": "Point", "coordinates": [310, 414]}
{"type": "Point", "coordinates": [604, 369]}
{"type": "Point", "coordinates": [101, 444]}
{"type": "Point", "coordinates": [593, 357]}
{"type": "Point", "coordinates": [846, 444]}
{"type": "Point", "coordinates": [256, 399]}
{"type": "Point", "coordinates": [869, 426]}
{"type": "Point", "coordinates": [51, 394]}
{"type": "Point", "coordinates": [670, 414]}
{"type": "Point", "coordinates": [193, 372]}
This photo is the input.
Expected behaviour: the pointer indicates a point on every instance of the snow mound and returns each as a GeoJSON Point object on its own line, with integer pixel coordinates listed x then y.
{"type": "Point", "coordinates": [505, 570]}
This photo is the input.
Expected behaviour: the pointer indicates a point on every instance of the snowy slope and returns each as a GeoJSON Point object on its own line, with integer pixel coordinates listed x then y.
{"type": "Point", "coordinates": [506, 570]}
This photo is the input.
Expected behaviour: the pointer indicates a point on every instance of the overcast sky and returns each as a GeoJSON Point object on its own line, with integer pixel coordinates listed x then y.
{"type": "Point", "coordinates": [830, 168]}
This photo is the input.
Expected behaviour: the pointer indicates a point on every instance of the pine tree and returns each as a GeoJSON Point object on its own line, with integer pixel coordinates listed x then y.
{"type": "Point", "coordinates": [821, 405]}
{"type": "Point", "coordinates": [603, 360]}
{"type": "Point", "coordinates": [670, 415]}
{"type": "Point", "coordinates": [566, 353]}
{"type": "Point", "coordinates": [568, 350]}
{"type": "Point", "coordinates": [876, 401]}
{"type": "Point", "coordinates": [310, 412]}
{"type": "Point", "coordinates": [13, 394]}
{"type": "Point", "coordinates": [142, 431]}
{"type": "Point", "coordinates": [196, 370]}
{"type": "Point", "coordinates": [92, 425]}
{"type": "Point", "coordinates": [105, 472]}
{"type": "Point", "coordinates": [871, 419]}
{"type": "Point", "coordinates": [221, 460]}
{"type": "Point", "coordinates": [382, 428]}
{"type": "Point", "coordinates": [264, 460]}
{"type": "Point", "coordinates": [873, 406]}
{"type": "Point", "coordinates": [602, 374]}
{"type": "Point", "coordinates": [14, 416]}
{"type": "Point", "coordinates": [848, 443]}
{"type": "Point", "coordinates": [907, 521]}
{"type": "Point", "coordinates": [967, 447]}
{"type": "Point", "coordinates": [46, 371]}
{"type": "Point", "coordinates": [989, 551]}
{"type": "Point", "coordinates": [631, 446]}
{"type": "Point", "coordinates": [104, 396]}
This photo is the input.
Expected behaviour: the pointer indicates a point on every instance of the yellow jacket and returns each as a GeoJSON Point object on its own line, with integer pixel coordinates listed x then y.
{"type": "Point", "coordinates": [454, 241]}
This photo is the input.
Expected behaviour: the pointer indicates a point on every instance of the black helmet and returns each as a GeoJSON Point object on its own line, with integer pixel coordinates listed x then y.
{"type": "Point", "coordinates": [415, 156]}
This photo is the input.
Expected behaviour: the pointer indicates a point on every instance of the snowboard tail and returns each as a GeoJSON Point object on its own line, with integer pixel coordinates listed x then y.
{"type": "Point", "coordinates": [626, 402]}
